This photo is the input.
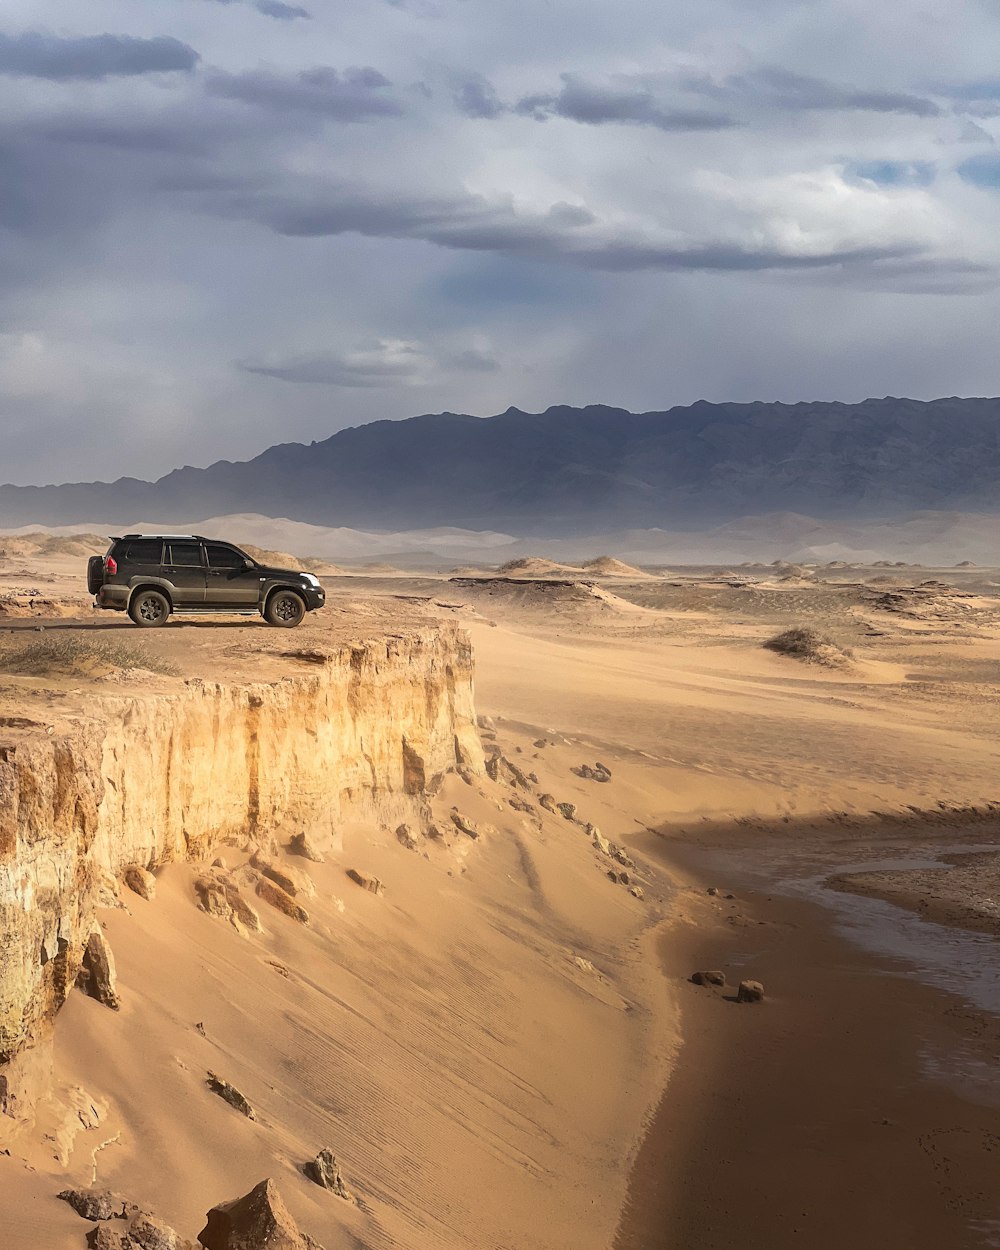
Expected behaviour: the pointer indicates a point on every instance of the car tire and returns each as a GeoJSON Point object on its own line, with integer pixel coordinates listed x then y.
{"type": "Point", "coordinates": [285, 609]}
{"type": "Point", "coordinates": [149, 609]}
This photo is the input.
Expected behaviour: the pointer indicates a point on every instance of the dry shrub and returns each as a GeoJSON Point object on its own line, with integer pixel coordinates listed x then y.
{"type": "Point", "coordinates": [74, 654]}
{"type": "Point", "coordinates": [811, 646]}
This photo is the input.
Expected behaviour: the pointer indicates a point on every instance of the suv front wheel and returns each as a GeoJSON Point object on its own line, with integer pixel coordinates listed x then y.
{"type": "Point", "coordinates": [285, 609]}
{"type": "Point", "coordinates": [149, 608]}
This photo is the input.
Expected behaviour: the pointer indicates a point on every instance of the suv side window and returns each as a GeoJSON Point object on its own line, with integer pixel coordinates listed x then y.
{"type": "Point", "coordinates": [220, 557]}
{"type": "Point", "coordinates": [143, 551]}
{"type": "Point", "coordinates": [184, 554]}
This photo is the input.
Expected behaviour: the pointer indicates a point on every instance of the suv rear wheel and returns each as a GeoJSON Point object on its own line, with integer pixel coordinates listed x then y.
{"type": "Point", "coordinates": [285, 609]}
{"type": "Point", "coordinates": [149, 608]}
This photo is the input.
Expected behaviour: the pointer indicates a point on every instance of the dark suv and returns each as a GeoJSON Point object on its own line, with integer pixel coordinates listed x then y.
{"type": "Point", "coordinates": [151, 575]}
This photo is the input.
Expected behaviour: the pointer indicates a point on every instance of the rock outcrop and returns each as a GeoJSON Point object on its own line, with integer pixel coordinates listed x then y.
{"type": "Point", "coordinates": [97, 976]}
{"type": "Point", "coordinates": [258, 1221]}
{"type": "Point", "coordinates": [325, 1171]}
{"type": "Point", "coordinates": [750, 992]}
{"type": "Point", "coordinates": [150, 779]}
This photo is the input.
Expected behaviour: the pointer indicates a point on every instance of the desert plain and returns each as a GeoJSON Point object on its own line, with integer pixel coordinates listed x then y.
{"type": "Point", "coordinates": [503, 1045]}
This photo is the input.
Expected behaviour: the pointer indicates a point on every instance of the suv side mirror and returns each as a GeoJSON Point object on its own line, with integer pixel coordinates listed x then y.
{"type": "Point", "coordinates": [248, 563]}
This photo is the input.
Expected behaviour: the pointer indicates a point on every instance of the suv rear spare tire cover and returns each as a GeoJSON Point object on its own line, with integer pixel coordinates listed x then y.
{"type": "Point", "coordinates": [95, 574]}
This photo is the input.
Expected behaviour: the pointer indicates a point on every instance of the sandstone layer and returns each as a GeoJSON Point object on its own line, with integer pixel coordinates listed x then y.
{"type": "Point", "coordinates": [151, 779]}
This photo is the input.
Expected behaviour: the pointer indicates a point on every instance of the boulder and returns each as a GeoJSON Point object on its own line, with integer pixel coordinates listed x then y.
{"type": "Point", "coordinates": [258, 1221]}
{"type": "Point", "coordinates": [229, 1093]}
{"type": "Point", "coordinates": [278, 898]}
{"type": "Point", "coordinates": [140, 881]}
{"type": "Point", "coordinates": [94, 1204]}
{"type": "Point", "coordinates": [106, 1237]}
{"type": "Point", "coordinates": [601, 843]}
{"type": "Point", "coordinates": [713, 977]}
{"type": "Point", "coordinates": [622, 857]}
{"type": "Point", "coordinates": [406, 837]}
{"type": "Point", "coordinates": [567, 810]}
{"type": "Point", "coordinates": [637, 891]}
{"type": "Point", "coordinates": [500, 768]}
{"type": "Point", "coordinates": [300, 845]}
{"type": "Point", "coordinates": [97, 976]}
{"type": "Point", "coordinates": [548, 801]}
{"type": "Point", "coordinates": [291, 881]}
{"type": "Point", "coordinates": [149, 1233]}
{"type": "Point", "coordinates": [324, 1170]}
{"type": "Point", "coordinates": [367, 882]}
{"type": "Point", "coordinates": [750, 992]}
{"type": "Point", "coordinates": [466, 825]}
{"type": "Point", "coordinates": [220, 898]}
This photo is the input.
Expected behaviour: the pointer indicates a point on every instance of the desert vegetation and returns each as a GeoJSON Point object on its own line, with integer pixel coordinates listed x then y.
{"type": "Point", "coordinates": [80, 656]}
{"type": "Point", "coordinates": [810, 646]}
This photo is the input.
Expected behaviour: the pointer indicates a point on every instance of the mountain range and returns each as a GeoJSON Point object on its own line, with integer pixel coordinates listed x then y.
{"type": "Point", "coordinates": [571, 470]}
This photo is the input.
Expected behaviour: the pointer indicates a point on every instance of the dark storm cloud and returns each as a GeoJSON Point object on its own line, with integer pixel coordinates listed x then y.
{"type": "Point", "coordinates": [596, 105]}
{"type": "Point", "coordinates": [282, 12]}
{"type": "Point", "coordinates": [471, 223]}
{"type": "Point", "coordinates": [274, 8]}
{"type": "Point", "coordinates": [782, 88]}
{"type": "Point", "coordinates": [354, 95]}
{"type": "Point", "coordinates": [478, 98]}
{"type": "Point", "coordinates": [37, 55]}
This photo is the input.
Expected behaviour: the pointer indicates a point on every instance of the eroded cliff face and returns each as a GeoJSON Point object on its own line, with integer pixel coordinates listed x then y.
{"type": "Point", "coordinates": [369, 727]}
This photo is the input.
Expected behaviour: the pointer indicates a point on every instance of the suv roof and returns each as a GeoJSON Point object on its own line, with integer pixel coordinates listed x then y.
{"type": "Point", "coordinates": [195, 537]}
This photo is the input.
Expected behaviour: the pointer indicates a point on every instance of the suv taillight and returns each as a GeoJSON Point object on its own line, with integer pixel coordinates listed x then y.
{"type": "Point", "coordinates": [111, 565]}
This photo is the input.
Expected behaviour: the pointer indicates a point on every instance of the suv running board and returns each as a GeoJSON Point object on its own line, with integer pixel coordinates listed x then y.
{"type": "Point", "coordinates": [215, 611]}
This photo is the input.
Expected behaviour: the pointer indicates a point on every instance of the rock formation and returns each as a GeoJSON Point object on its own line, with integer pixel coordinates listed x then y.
{"type": "Point", "coordinates": [258, 1221]}
{"type": "Point", "coordinates": [325, 1171]}
{"type": "Point", "coordinates": [216, 764]}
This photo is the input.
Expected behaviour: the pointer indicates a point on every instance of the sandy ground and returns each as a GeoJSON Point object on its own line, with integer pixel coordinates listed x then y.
{"type": "Point", "coordinates": [486, 1046]}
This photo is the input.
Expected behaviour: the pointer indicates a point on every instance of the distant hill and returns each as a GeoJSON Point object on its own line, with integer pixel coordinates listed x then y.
{"type": "Point", "coordinates": [590, 468]}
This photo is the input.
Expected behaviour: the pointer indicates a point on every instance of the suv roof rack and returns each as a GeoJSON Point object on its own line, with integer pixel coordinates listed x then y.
{"type": "Point", "coordinates": [197, 537]}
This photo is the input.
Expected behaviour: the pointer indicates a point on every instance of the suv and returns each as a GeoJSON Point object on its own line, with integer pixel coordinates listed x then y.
{"type": "Point", "coordinates": [149, 576]}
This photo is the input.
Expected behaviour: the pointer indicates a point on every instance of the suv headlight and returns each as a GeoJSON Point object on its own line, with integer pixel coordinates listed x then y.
{"type": "Point", "coordinates": [313, 581]}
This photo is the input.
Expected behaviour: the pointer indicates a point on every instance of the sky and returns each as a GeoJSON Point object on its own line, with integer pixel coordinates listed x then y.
{"type": "Point", "coordinates": [226, 224]}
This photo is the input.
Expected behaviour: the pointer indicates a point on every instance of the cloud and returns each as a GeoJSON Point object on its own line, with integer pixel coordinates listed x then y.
{"type": "Point", "coordinates": [889, 173]}
{"type": "Point", "coordinates": [572, 235]}
{"type": "Point", "coordinates": [37, 55]}
{"type": "Point", "coordinates": [282, 12]}
{"type": "Point", "coordinates": [785, 89]}
{"type": "Point", "coordinates": [475, 97]}
{"type": "Point", "coordinates": [473, 360]}
{"type": "Point", "coordinates": [595, 105]}
{"type": "Point", "coordinates": [390, 362]}
{"type": "Point", "coordinates": [383, 363]}
{"type": "Point", "coordinates": [274, 8]}
{"type": "Point", "coordinates": [981, 171]}
{"type": "Point", "coordinates": [354, 95]}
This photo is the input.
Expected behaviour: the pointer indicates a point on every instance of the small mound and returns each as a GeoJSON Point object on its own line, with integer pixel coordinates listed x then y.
{"type": "Point", "coordinates": [811, 647]}
{"type": "Point", "coordinates": [608, 566]}
{"type": "Point", "coordinates": [535, 566]}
